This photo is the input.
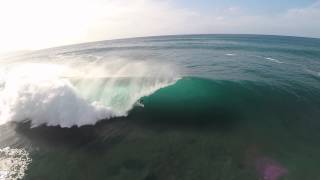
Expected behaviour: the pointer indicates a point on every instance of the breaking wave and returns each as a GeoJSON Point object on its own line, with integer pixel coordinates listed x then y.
{"type": "Point", "coordinates": [78, 93]}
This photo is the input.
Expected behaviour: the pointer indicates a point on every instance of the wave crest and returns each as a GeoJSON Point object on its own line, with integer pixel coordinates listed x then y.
{"type": "Point", "coordinates": [76, 94]}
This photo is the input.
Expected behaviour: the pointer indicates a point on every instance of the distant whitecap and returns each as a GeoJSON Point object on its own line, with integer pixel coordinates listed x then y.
{"type": "Point", "coordinates": [274, 60]}
{"type": "Point", "coordinates": [230, 54]}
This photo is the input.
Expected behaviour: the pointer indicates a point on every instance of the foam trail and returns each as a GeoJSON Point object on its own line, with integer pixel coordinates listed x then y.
{"type": "Point", "coordinates": [273, 60]}
{"type": "Point", "coordinates": [77, 93]}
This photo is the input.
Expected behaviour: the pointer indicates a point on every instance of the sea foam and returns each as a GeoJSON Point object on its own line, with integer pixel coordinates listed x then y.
{"type": "Point", "coordinates": [13, 163]}
{"type": "Point", "coordinates": [77, 93]}
{"type": "Point", "coordinates": [274, 60]}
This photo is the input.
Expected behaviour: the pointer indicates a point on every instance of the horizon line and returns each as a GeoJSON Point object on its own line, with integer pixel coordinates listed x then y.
{"type": "Point", "coordinates": [23, 51]}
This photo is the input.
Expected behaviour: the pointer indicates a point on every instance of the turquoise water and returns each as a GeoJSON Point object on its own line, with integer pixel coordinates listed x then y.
{"type": "Point", "coordinates": [240, 107]}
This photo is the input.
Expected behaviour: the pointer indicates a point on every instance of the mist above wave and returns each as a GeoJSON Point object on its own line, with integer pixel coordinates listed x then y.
{"type": "Point", "coordinates": [77, 92]}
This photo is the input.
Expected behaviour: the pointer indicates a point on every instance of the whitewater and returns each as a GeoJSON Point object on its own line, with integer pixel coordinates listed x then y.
{"type": "Point", "coordinates": [77, 92]}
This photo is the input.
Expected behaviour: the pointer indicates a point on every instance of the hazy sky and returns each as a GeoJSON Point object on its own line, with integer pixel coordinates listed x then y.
{"type": "Point", "coordinates": [36, 24]}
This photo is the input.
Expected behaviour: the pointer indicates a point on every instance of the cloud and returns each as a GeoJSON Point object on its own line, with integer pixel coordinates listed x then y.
{"type": "Point", "coordinates": [296, 22]}
{"type": "Point", "coordinates": [139, 18]}
{"type": "Point", "coordinates": [150, 17]}
{"type": "Point", "coordinates": [37, 24]}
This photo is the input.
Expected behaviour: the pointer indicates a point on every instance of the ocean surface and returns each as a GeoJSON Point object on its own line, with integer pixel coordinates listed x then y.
{"type": "Point", "coordinates": [191, 107]}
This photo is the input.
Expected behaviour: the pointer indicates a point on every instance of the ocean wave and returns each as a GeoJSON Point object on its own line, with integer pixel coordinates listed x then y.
{"type": "Point", "coordinates": [201, 100]}
{"type": "Point", "coordinates": [77, 94]}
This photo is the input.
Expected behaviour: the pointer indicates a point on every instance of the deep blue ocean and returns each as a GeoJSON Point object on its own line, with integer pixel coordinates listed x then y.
{"type": "Point", "coordinates": [220, 107]}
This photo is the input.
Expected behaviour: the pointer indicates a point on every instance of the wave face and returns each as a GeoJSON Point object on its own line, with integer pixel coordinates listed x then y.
{"type": "Point", "coordinates": [199, 101]}
{"type": "Point", "coordinates": [77, 93]}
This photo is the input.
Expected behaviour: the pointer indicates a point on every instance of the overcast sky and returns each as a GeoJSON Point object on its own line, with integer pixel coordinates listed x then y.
{"type": "Point", "coordinates": [36, 24]}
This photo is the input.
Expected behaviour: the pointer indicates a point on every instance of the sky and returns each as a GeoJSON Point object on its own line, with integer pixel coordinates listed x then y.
{"type": "Point", "coordinates": [38, 24]}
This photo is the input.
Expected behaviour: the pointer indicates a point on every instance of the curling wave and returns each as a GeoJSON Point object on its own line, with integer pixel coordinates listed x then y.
{"type": "Point", "coordinates": [77, 94]}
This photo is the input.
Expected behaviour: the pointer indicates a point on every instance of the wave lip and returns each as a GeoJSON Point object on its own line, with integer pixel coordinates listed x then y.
{"type": "Point", "coordinates": [69, 95]}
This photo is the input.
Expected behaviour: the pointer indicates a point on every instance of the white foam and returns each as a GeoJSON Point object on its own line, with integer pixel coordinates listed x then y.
{"type": "Point", "coordinates": [13, 163]}
{"type": "Point", "coordinates": [76, 94]}
{"type": "Point", "coordinates": [230, 54]}
{"type": "Point", "coordinates": [274, 60]}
